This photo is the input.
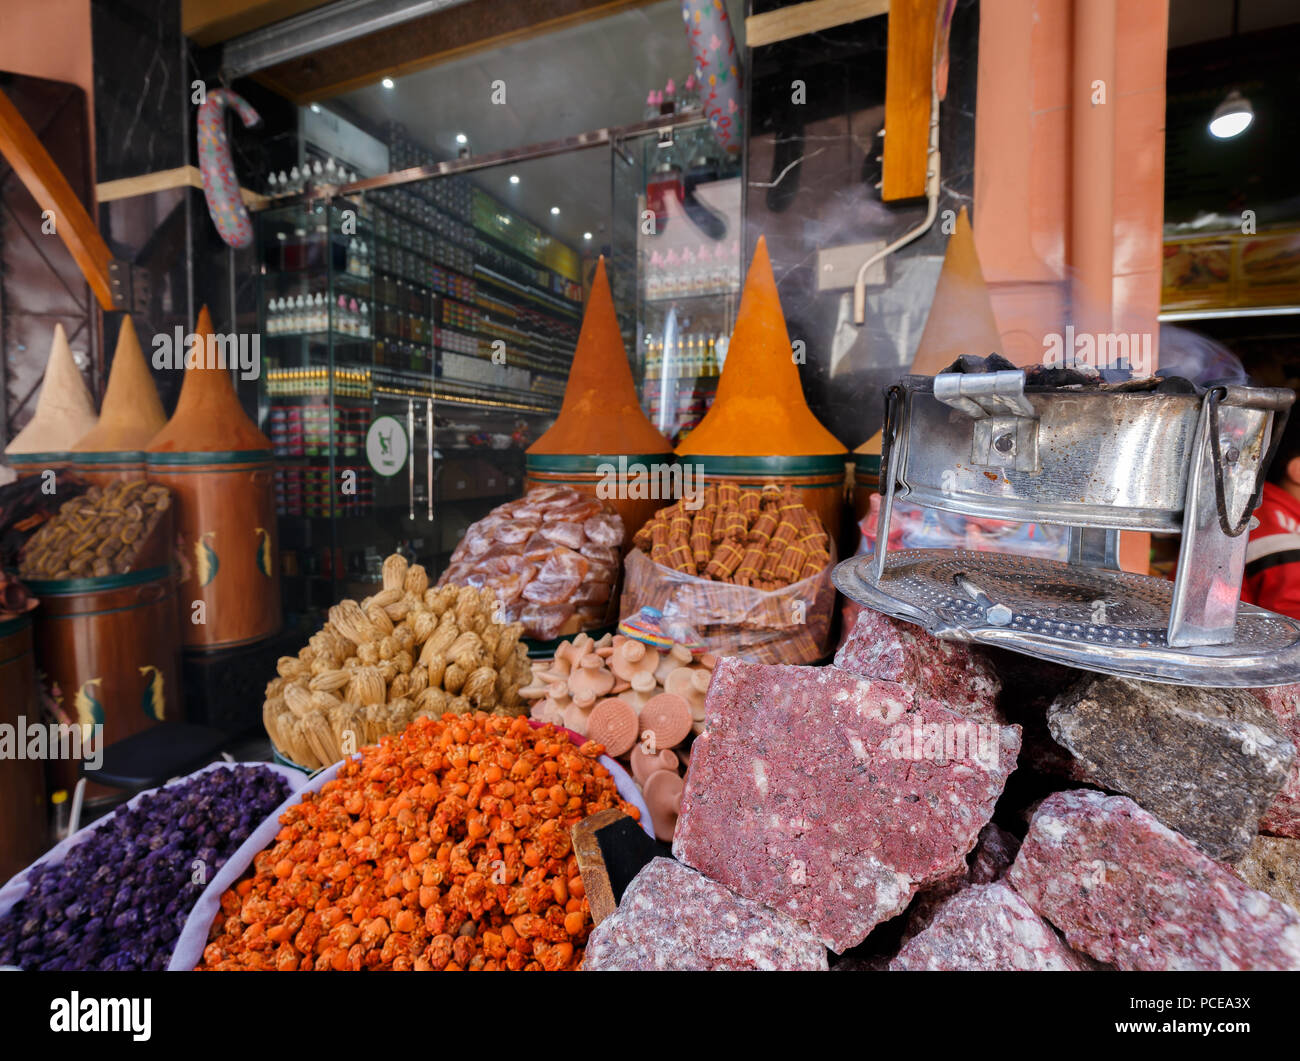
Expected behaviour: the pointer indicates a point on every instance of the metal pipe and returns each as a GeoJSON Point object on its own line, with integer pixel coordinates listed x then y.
{"type": "Point", "coordinates": [932, 174]}
{"type": "Point", "coordinates": [582, 141]}
{"type": "Point", "coordinates": [325, 27]}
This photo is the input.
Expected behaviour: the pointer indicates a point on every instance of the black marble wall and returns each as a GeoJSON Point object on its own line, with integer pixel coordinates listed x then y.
{"type": "Point", "coordinates": [811, 170]}
{"type": "Point", "coordinates": [145, 122]}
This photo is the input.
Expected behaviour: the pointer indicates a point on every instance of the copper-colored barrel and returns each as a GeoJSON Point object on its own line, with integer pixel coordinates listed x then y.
{"type": "Point", "coordinates": [226, 543]}
{"type": "Point", "coordinates": [22, 781]}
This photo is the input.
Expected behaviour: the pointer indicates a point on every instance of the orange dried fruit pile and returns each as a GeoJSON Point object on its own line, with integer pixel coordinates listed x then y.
{"type": "Point", "coordinates": [446, 847]}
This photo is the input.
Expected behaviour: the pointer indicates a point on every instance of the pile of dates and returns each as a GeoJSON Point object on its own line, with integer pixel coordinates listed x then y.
{"type": "Point", "coordinates": [99, 533]}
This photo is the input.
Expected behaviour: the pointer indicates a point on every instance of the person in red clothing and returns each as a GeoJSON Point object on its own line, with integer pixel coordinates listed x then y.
{"type": "Point", "coordinates": [1272, 578]}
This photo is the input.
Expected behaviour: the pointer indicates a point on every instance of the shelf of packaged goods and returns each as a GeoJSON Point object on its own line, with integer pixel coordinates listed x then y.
{"type": "Point", "coordinates": [482, 274]}
{"type": "Point", "coordinates": [494, 243]}
{"type": "Point", "coordinates": [319, 338]}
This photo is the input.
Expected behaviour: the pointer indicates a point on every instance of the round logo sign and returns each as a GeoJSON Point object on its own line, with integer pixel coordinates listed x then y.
{"type": "Point", "coordinates": [386, 446]}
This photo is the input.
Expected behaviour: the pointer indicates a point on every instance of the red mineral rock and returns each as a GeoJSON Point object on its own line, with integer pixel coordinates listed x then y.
{"type": "Point", "coordinates": [988, 927]}
{"type": "Point", "coordinates": [834, 798]}
{"type": "Point", "coordinates": [670, 917]}
{"type": "Point", "coordinates": [955, 674]}
{"type": "Point", "coordinates": [1126, 889]}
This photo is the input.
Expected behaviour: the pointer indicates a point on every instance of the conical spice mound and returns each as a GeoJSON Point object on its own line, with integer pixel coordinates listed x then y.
{"type": "Point", "coordinates": [208, 416]}
{"type": "Point", "coordinates": [64, 410]}
{"type": "Point", "coordinates": [961, 315]}
{"type": "Point", "coordinates": [600, 413]}
{"type": "Point", "coordinates": [760, 408]}
{"type": "Point", "coordinates": [131, 414]}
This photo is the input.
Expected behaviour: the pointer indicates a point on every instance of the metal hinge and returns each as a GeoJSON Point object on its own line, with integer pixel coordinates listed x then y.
{"type": "Point", "coordinates": [129, 285]}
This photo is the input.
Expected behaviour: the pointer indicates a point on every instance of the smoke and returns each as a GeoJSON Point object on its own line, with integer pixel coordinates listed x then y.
{"type": "Point", "coordinates": [1197, 358]}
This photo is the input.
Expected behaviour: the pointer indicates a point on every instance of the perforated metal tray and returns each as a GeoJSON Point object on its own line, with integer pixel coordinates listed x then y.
{"type": "Point", "coordinates": [1095, 619]}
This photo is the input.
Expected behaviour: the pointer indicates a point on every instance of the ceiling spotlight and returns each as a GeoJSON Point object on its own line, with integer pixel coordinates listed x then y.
{"type": "Point", "coordinates": [461, 138]}
{"type": "Point", "coordinates": [555, 211]}
{"type": "Point", "coordinates": [514, 178]}
{"type": "Point", "coordinates": [586, 235]}
{"type": "Point", "coordinates": [315, 108]}
{"type": "Point", "coordinates": [1232, 117]}
{"type": "Point", "coordinates": [387, 82]}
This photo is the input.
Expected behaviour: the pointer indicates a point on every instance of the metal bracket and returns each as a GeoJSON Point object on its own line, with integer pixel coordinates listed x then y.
{"type": "Point", "coordinates": [1005, 433]}
{"type": "Point", "coordinates": [981, 394]}
{"type": "Point", "coordinates": [129, 285]}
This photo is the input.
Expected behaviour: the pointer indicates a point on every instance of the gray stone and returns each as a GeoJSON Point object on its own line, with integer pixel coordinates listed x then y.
{"type": "Point", "coordinates": [1272, 865]}
{"type": "Point", "coordinates": [1206, 762]}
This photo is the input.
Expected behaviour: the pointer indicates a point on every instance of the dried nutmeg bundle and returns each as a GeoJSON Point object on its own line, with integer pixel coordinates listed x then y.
{"type": "Point", "coordinates": [407, 651]}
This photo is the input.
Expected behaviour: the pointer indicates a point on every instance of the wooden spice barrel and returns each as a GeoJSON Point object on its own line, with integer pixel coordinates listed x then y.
{"type": "Point", "coordinates": [866, 481]}
{"type": "Point", "coordinates": [103, 469]}
{"type": "Point", "coordinates": [611, 478]}
{"type": "Point", "coordinates": [110, 644]}
{"type": "Point", "coordinates": [22, 781]}
{"type": "Point", "coordinates": [227, 544]}
{"type": "Point", "coordinates": [817, 481]}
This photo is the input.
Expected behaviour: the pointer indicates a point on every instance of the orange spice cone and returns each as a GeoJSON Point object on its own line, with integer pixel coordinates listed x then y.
{"type": "Point", "coordinates": [760, 409]}
{"type": "Point", "coordinates": [132, 413]}
{"type": "Point", "coordinates": [961, 316]}
{"type": "Point", "coordinates": [600, 413]}
{"type": "Point", "coordinates": [64, 410]}
{"type": "Point", "coordinates": [208, 416]}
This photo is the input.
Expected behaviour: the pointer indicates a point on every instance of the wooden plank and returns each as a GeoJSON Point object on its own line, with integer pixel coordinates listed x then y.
{"type": "Point", "coordinates": [591, 863]}
{"type": "Point", "coordinates": [810, 17]}
{"type": "Point", "coordinates": [907, 98]}
{"type": "Point", "coordinates": [163, 179]}
{"type": "Point", "coordinates": [47, 185]}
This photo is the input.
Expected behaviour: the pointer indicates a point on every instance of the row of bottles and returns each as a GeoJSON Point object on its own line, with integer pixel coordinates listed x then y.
{"type": "Point", "coordinates": [300, 382]}
{"type": "Point", "coordinates": [307, 314]}
{"type": "Point", "coordinates": [699, 271]}
{"type": "Point", "coordinates": [696, 356]}
{"type": "Point", "coordinates": [298, 179]}
{"type": "Point", "coordinates": [358, 258]}
{"type": "Point", "coordinates": [668, 99]}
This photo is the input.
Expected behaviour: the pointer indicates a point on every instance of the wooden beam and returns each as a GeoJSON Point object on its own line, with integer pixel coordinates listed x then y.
{"type": "Point", "coordinates": [51, 190]}
{"type": "Point", "coordinates": [907, 98]}
{"type": "Point", "coordinates": [810, 17]}
{"type": "Point", "coordinates": [208, 22]}
{"type": "Point", "coordinates": [163, 179]}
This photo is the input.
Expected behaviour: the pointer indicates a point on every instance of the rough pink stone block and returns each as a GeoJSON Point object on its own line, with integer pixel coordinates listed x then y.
{"type": "Point", "coordinates": [673, 918]}
{"type": "Point", "coordinates": [1283, 815]}
{"type": "Point", "coordinates": [811, 791]}
{"type": "Point", "coordinates": [955, 674]}
{"type": "Point", "coordinates": [991, 858]}
{"type": "Point", "coordinates": [1126, 889]}
{"type": "Point", "coordinates": [988, 927]}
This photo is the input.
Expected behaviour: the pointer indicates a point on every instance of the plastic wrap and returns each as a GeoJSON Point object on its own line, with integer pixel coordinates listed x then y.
{"type": "Point", "coordinates": [787, 625]}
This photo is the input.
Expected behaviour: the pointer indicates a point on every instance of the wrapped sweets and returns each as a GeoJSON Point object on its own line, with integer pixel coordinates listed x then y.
{"type": "Point", "coordinates": [551, 558]}
{"type": "Point", "coordinates": [748, 537]}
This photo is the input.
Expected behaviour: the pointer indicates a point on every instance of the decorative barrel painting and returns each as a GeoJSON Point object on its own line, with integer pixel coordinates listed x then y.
{"type": "Point", "coordinates": [25, 464]}
{"type": "Point", "coordinates": [110, 645]}
{"type": "Point", "coordinates": [226, 545]}
{"type": "Point", "coordinates": [22, 781]}
{"type": "Point", "coordinates": [103, 469]}
{"type": "Point", "coordinates": [585, 472]}
{"type": "Point", "coordinates": [817, 481]}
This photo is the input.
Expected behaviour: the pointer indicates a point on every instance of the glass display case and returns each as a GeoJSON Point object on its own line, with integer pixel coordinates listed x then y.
{"type": "Point", "coordinates": [418, 338]}
{"type": "Point", "coordinates": [413, 349]}
{"type": "Point", "coordinates": [689, 270]}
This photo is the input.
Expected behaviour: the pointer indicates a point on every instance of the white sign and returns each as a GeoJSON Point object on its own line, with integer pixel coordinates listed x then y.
{"type": "Point", "coordinates": [387, 446]}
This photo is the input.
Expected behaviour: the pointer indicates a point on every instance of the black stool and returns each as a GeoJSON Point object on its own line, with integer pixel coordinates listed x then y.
{"type": "Point", "coordinates": [155, 755]}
